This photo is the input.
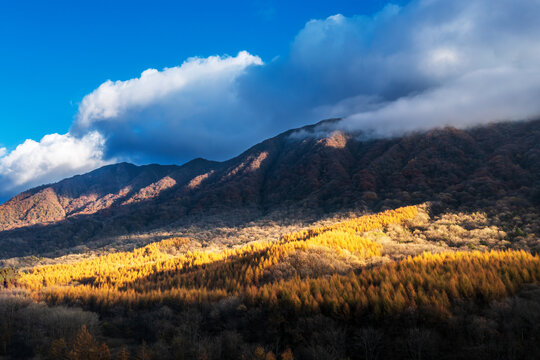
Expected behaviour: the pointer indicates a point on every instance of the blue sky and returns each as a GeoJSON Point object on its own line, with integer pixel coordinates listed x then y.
{"type": "Point", "coordinates": [55, 52]}
{"type": "Point", "coordinates": [86, 84]}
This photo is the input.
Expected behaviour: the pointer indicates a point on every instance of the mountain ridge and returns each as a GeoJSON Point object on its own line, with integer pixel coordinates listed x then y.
{"type": "Point", "coordinates": [78, 191]}
{"type": "Point", "coordinates": [312, 172]}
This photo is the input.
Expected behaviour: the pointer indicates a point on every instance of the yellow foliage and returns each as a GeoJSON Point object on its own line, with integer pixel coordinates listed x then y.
{"type": "Point", "coordinates": [151, 275]}
{"type": "Point", "coordinates": [430, 281]}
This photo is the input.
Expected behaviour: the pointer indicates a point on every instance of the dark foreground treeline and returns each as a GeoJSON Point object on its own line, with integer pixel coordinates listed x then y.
{"type": "Point", "coordinates": [505, 329]}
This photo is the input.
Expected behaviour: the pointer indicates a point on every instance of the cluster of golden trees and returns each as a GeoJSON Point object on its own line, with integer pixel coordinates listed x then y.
{"type": "Point", "coordinates": [8, 278]}
{"type": "Point", "coordinates": [151, 275]}
{"type": "Point", "coordinates": [152, 268]}
{"type": "Point", "coordinates": [429, 281]}
{"type": "Point", "coordinates": [360, 224]}
{"type": "Point", "coordinates": [128, 263]}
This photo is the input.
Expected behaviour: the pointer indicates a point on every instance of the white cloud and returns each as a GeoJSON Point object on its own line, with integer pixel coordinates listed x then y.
{"type": "Point", "coordinates": [426, 64]}
{"type": "Point", "coordinates": [502, 94]}
{"type": "Point", "coordinates": [53, 158]}
{"type": "Point", "coordinates": [429, 63]}
{"type": "Point", "coordinates": [112, 99]}
{"type": "Point", "coordinates": [175, 114]}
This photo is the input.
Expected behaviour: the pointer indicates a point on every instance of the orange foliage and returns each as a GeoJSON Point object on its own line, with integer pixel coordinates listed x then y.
{"type": "Point", "coordinates": [150, 275]}
{"type": "Point", "coordinates": [361, 224]}
{"type": "Point", "coordinates": [429, 281]}
{"type": "Point", "coordinates": [150, 268]}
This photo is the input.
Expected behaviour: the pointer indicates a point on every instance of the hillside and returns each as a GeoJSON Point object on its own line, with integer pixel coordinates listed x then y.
{"type": "Point", "coordinates": [324, 292]}
{"type": "Point", "coordinates": [300, 174]}
{"type": "Point", "coordinates": [113, 185]}
{"type": "Point", "coordinates": [314, 244]}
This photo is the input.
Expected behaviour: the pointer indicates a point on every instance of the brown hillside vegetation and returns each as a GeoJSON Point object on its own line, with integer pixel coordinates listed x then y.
{"type": "Point", "coordinates": [300, 175]}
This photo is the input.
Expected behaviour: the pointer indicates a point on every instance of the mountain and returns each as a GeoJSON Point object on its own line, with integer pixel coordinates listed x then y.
{"type": "Point", "coordinates": [113, 185]}
{"type": "Point", "coordinates": [302, 172]}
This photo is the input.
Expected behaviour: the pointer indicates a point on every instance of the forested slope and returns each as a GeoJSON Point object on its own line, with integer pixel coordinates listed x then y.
{"type": "Point", "coordinates": [301, 174]}
{"type": "Point", "coordinates": [323, 292]}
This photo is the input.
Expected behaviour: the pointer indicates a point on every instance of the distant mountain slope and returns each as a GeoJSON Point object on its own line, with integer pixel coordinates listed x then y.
{"type": "Point", "coordinates": [112, 185]}
{"type": "Point", "coordinates": [298, 172]}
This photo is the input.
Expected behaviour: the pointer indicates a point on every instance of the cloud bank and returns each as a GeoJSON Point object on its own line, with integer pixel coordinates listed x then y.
{"type": "Point", "coordinates": [53, 158]}
{"type": "Point", "coordinates": [459, 63]}
{"type": "Point", "coordinates": [429, 63]}
{"type": "Point", "coordinates": [172, 115]}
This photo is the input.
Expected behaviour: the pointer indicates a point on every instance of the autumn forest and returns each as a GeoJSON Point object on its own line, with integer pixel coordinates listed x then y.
{"type": "Point", "coordinates": [300, 297]}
